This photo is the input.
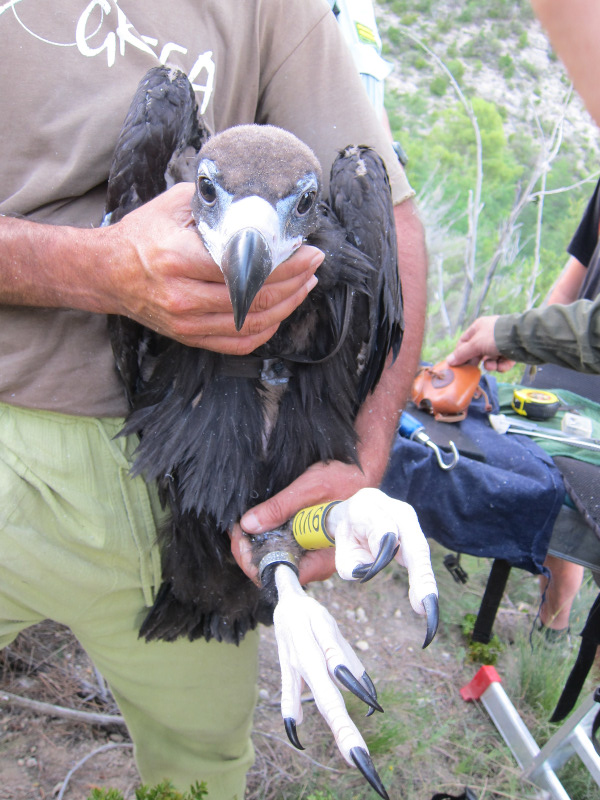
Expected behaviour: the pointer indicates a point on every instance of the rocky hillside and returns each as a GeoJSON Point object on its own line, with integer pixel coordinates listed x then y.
{"type": "Point", "coordinates": [486, 65]}
{"type": "Point", "coordinates": [495, 49]}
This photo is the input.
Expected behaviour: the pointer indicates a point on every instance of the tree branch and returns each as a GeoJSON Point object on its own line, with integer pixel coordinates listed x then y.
{"type": "Point", "coordinates": [50, 710]}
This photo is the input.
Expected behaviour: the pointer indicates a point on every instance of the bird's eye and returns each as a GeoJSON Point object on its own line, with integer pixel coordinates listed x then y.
{"type": "Point", "coordinates": [207, 191]}
{"type": "Point", "coordinates": [305, 203]}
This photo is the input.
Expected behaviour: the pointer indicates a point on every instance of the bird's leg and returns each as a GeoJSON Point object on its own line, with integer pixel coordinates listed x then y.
{"type": "Point", "coordinates": [313, 651]}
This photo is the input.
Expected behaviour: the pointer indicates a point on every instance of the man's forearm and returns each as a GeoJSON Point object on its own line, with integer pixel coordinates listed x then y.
{"type": "Point", "coordinates": [412, 263]}
{"type": "Point", "coordinates": [567, 335]}
{"type": "Point", "coordinates": [566, 287]}
{"type": "Point", "coordinates": [47, 265]}
{"type": "Point", "coordinates": [377, 421]}
{"type": "Point", "coordinates": [573, 32]}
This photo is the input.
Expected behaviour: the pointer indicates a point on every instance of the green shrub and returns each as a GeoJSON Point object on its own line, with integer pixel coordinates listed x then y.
{"type": "Point", "coordinates": [438, 85]}
{"type": "Point", "coordinates": [394, 35]}
{"type": "Point", "coordinates": [162, 791]}
{"type": "Point", "coordinates": [399, 7]}
{"type": "Point", "coordinates": [506, 65]}
{"type": "Point", "coordinates": [409, 19]}
{"type": "Point", "coordinates": [478, 652]}
{"type": "Point", "coordinates": [457, 68]}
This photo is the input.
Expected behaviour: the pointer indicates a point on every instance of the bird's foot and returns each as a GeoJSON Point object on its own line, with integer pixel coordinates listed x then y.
{"type": "Point", "coordinates": [370, 530]}
{"type": "Point", "coordinates": [364, 763]}
{"type": "Point", "coordinates": [388, 547]}
{"type": "Point", "coordinates": [313, 651]}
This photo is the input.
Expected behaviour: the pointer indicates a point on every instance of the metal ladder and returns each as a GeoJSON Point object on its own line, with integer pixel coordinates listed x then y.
{"type": "Point", "coordinates": [538, 765]}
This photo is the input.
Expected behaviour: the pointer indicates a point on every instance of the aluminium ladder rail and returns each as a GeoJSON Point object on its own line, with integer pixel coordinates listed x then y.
{"type": "Point", "coordinates": [538, 765]}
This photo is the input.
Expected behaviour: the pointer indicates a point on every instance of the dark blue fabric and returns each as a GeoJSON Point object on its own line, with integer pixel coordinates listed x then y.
{"type": "Point", "coordinates": [504, 507]}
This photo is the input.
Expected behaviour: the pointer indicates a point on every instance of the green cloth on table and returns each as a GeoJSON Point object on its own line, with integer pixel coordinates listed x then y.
{"type": "Point", "coordinates": [569, 402]}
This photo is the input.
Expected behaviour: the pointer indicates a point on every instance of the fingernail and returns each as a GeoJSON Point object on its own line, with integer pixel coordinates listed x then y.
{"type": "Point", "coordinates": [317, 260]}
{"type": "Point", "coordinates": [250, 522]}
{"type": "Point", "coordinates": [311, 283]}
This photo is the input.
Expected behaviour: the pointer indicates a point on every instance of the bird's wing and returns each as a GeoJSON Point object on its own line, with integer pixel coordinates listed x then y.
{"type": "Point", "coordinates": [361, 199]}
{"type": "Point", "coordinates": [157, 147]}
{"type": "Point", "coordinates": [158, 143]}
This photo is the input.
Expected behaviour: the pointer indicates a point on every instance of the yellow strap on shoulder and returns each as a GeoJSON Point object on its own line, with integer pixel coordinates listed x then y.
{"type": "Point", "coordinates": [308, 527]}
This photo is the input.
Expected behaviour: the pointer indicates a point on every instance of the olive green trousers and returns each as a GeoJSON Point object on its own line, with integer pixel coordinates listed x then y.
{"type": "Point", "coordinates": [77, 545]}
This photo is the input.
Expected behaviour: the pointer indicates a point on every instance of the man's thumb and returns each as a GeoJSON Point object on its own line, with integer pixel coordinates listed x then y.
{"type": "Point", "coordinates": [265, 516]}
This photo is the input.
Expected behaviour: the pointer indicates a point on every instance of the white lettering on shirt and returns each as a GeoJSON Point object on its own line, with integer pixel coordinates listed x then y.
{"type": "Point", "coordinates": [104, 22]}
{"type": "Point", "coordinates": [204, 62]}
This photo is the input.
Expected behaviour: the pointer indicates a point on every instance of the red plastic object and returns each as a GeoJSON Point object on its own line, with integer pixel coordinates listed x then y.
{"type": "Point", "coordinates": [484, 678]}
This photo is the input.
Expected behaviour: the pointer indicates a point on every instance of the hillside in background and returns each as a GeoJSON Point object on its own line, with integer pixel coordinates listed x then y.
{"type": "Point", "coordinates": [501, 152]}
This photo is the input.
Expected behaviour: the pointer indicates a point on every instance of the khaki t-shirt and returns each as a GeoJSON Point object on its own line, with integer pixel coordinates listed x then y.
{"type": "Point", "coordinates": [69, 72]}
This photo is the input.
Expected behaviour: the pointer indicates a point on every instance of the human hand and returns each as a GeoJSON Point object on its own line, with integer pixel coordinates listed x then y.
{"type": "Point", "coordinates": [161, 275]}
{"type": "Point", "coordinates": [477, 344]}
{"type": "Point", "coordinates": [321, 482]}
{"type": "Point", "coordinates": [315, 565]}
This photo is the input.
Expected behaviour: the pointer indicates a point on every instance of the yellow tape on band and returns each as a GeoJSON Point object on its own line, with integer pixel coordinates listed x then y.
{"type": "Point", "coordinates": [308, 527]}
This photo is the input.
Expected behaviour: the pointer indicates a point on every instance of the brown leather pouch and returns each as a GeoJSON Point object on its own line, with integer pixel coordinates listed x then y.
{"type": "Point", "coordinates": [447, 391]}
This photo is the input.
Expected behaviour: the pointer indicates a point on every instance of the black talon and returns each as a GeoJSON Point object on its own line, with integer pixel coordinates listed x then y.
{"type": "Point", "coordinates": [347, 679]}
{"type": "Point", "coordinates": [290, 729]}
{"type": "Point", "coordinates": [361, 570]}
{"type": "Point", "coordinates": [371, 687]}
{"type": "Point", "coordinates": [364, 763]}
{"type": "Point", "coordinates": [388, 548]}
{"type": "Point", "coordinates": [430, 603]}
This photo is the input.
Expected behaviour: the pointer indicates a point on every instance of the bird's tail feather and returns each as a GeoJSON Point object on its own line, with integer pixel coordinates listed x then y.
{"type": "Point", "coordinates": [170, 618]}
{"type": "Point", "coordinates": [205, 595]}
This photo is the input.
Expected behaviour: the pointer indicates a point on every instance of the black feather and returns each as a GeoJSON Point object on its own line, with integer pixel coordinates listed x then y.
{"type": "Point", "coordinates": [204, 435]}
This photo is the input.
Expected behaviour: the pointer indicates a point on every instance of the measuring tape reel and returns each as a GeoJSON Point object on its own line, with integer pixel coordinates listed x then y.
{"type": "Point", "coordinates": [535, 403]}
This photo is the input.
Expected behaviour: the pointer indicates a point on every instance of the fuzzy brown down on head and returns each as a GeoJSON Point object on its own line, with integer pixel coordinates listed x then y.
{"type": "Point", "coordinates": [259, 151]}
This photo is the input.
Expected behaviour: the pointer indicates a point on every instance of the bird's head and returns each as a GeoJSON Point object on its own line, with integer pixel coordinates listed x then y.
{"type": "Point", "coordinates": [257, 191]}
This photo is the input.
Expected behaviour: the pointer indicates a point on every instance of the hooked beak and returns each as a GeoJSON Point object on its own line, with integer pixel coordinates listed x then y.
{"type": "Point", "coordinates": [246, 264]}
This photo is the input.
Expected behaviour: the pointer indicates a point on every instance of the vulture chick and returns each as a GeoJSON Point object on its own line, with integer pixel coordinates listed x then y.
{"type": "Point", "coordinates": [221, 433]}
